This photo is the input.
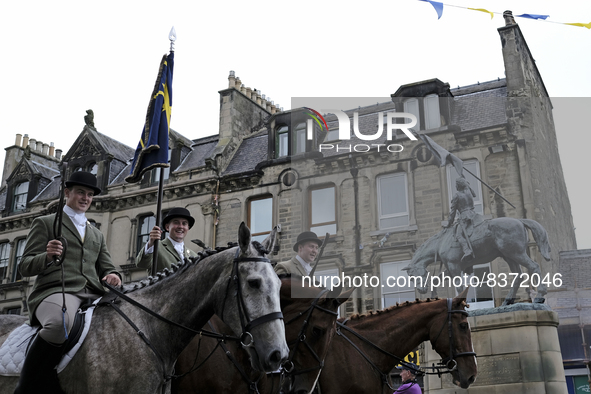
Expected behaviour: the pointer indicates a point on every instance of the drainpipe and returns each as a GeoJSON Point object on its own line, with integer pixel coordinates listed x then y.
{"type": "Point", "coordinates": [358, 303]}
{"type": "Point", "coordinates": [216, 202]}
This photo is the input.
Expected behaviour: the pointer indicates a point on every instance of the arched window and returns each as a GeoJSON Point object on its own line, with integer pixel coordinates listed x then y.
{"type": "Point", "coordinates": [92, 168]}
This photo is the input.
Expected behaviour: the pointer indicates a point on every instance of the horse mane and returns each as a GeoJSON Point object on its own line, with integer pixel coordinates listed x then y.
{"type": "Point", "coordinates": [396, 307]}
{"type": "Point", "coordinates": [182, 266]}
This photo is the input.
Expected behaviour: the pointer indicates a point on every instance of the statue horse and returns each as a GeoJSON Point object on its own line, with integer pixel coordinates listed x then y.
{"type": "Point", "coordinates": [367, 347]}
{"type": "Point", "coordinates": [238, 284]}
{"type": "Point", "coordinates": [209, 366]}
{"type": "Point", "coordinates": [502, 237]}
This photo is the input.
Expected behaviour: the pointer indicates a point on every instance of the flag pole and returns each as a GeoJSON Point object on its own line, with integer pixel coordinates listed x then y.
{"type": "Point", "coordinates": [172, 38]}
{"type": "Point", "coordinates": [484, 183]}
{"type": "Point", "coordinates": [158, 220]}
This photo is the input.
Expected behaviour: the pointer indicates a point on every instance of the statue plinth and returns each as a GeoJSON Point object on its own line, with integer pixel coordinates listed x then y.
{"type": "Point", "coordinates": [518, 352]}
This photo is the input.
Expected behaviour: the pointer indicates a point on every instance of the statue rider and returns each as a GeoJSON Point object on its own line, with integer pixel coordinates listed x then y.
{"type": "Point", "coordinates": [463, 204]}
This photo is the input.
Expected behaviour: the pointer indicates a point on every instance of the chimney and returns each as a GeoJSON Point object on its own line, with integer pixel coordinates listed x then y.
{"type": "Point", "coordinates": [249, 93]}
{"type": "Point", "coordinates": [39, 146]}
{"type": "Point", "coordinates": [51, 149]}
{"type": "Point", "coordinates": [33, 144]}
{"type": "Point", "coordinates": [25, 141]}
{"type": "Point", "coordinates": [509, 20]}
{"type": "Point", "coordinates": [238, 83]}
{"type": "Point", "coordinates": [45, 149]}
{"type": "Point", "coordinates": [18, 139]}
{"type": "Point", "coordinates": [232, 80]}
{"type": "Point", "coordinates": [58, 154]}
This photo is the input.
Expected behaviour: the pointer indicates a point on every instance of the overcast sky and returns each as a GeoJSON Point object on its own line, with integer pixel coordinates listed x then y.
{"type": "Point", "coordinates": [62, 58]}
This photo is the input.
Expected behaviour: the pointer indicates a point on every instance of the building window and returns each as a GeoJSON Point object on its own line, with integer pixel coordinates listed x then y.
{"type": "Point", "coordinates": [19, 201]}
{"type": "Point", "coordinates": [260, 217]}
{"type": "Point", "coordinates": [282, 142]}
{"type": "Point", "coordinates": [431, 118]}
{"type": "Point", "coordinates": [323, 211]}
{"type": "Point", "coordinates": [396, 286]}
{"type": "Point", "coordinates": [13, 311]}
{"type": "Point", "coordinates": [452, 176]}
{"type": "Point", "coordinates": [432, 113]}
{"type": "Point", "coordinates": [92, 168]}
{"type": "Point", "coordinates": [4, 259]}
{"type": "Point", "coordinates": [299, 139]}
{"type": "Point", "coordinates": [411, 106]}
{"type": "Point", "coordinates": [155, 173]}
{"type": "Point", "coordinates": [145, 225]}
{"type": "Point", "coordinates": [20, 249]}
{"type": "Point", "coordinates": [393, 201]}
{"type": "Point", "coordinates": [480, 296]}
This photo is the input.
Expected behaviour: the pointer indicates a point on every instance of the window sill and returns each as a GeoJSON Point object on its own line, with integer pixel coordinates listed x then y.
{"type": "Point", "coordinates": [380, 233]}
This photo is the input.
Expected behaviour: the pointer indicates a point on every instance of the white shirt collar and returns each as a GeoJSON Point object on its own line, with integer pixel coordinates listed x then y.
{"type": "Point", "coordinates": [79, 219]}
{"type": "Point", "coordinates": [307, 267]}
{"type": "Point", "coordinates": [178, 246]}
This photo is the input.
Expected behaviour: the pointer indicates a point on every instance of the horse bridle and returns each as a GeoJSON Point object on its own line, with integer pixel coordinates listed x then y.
{"type": "Point", "coordinates": [451, 359]}
{"type": "Point", "coordinates": [301, 338]}
{"type": "Point", "coordinates": [245, 322]}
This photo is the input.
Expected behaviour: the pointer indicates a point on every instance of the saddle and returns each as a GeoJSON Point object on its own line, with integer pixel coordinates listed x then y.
{"type": "Point", "coordinates": [15, 348]}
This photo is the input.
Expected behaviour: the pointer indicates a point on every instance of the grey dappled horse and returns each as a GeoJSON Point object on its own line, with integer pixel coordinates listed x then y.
{"type": "Point", "coordinates": [114, 359]}
{"type": "Point", "coordinates": [505, 237]}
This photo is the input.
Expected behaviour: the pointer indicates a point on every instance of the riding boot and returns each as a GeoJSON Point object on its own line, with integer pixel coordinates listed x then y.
{"type": "Point", "coordinates": [39, 374]}
{"type": "Point", "coordinates": [468, 254]}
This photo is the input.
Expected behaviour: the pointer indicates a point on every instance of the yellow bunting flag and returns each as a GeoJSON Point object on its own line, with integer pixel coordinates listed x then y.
{"type": "Point", "coordinates": [483, 10]}
{"type": "Point", "coordinates": [587, 25]}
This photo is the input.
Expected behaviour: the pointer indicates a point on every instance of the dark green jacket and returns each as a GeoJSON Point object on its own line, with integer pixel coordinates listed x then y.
{"type": "Point", "coordinates": [167, 256]}
{"type": "Point", "coordinates": [86, 263]}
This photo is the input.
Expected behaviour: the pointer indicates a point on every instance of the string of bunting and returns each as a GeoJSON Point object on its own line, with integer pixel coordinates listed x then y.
{"type": "Point", "coordinates": [439, 9]}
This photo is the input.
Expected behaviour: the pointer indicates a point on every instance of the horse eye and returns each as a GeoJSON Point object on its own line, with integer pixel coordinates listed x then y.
{"type": "Point", "coordinates": [316, 331]}
{"type": "Point", "coordinates": [254, 283]}
{"type": "Point", "coordinates": [464, 326]}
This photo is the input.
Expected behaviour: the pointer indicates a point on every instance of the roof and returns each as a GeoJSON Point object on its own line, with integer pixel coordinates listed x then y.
{"type": "Point", "coordinates": [119, 150]}
{"type": "Point", "coordinates": [251, 152]}
{"type": "Point", "coordinates": [200, 150]}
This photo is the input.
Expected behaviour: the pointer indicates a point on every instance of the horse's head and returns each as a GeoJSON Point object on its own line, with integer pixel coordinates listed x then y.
{"type": "Point", "coordinates": [251, 302]}
{"type": "Point", "coordinates": [455, 346]}
{"type": "Point", "coordinates": [418, 270]}
{"type": "Point", "coordinates": [310, 324]}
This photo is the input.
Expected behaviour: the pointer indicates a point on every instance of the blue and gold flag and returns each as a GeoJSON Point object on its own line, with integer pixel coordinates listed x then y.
{"type": "Point", "coordinates": [152, 150]}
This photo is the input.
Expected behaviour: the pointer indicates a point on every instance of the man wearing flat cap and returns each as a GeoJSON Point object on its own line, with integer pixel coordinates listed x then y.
{"type": "Point", "coordinates": [408, 373]}
{"type": "Point", "coordinates": [172, 250]}
{"type": "Point", "coordinates": [85, 264]}
{"type": "Point", "coordinates": [306, 248]}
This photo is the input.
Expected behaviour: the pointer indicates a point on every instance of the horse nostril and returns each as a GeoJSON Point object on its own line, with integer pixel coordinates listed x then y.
{"type": "Point", "coordinates": [472, 379]}
{"type": "Point", "coordinates": [275, 357]}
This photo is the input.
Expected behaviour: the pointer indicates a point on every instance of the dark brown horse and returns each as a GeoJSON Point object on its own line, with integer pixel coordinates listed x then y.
{"type": "Point", "coordinates": [224, 367]}
{"type": "Point", "coordinates": [396, 330]}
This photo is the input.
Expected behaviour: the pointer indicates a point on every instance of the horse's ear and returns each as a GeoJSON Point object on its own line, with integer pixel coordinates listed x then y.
{"type": "Point", "coordinates": [461, 297]}
{"type": "Point", "coordinates": [243, 237]}
{"type": "Point", "coordinates": [269, 242]}
{"type": "Point", "coordinates": [338, 296]}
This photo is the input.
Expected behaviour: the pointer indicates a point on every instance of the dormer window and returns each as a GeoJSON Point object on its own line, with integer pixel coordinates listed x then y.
{"type": "Point", "coordinates": [429, 107]}
{"type": "Point", "coordinates": [282, 139]}
{"type": "Point", "coordinates": [92, 168]}
{"type": "Point", "coordinates": [19, 200]}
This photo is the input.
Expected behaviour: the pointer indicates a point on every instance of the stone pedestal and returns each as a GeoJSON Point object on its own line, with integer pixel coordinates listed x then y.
{"type": "Point", "coordinates": [518, 352]}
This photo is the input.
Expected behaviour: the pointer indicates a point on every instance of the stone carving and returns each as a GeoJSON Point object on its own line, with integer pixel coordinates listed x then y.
{"type": "Point", "coordinates": [89, 118]}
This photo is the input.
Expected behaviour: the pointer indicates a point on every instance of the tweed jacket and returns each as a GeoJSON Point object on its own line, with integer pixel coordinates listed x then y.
{"type": "Point", "coordinates": [86, 262]}
{"type": "Point", "coordinates": [167, 256]}
{"type": "Point", "coordinates": [292, 266]}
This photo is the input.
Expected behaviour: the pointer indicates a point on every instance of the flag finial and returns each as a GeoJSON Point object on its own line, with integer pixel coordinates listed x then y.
{"type": "Point", "coordinates": [172, 38]}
